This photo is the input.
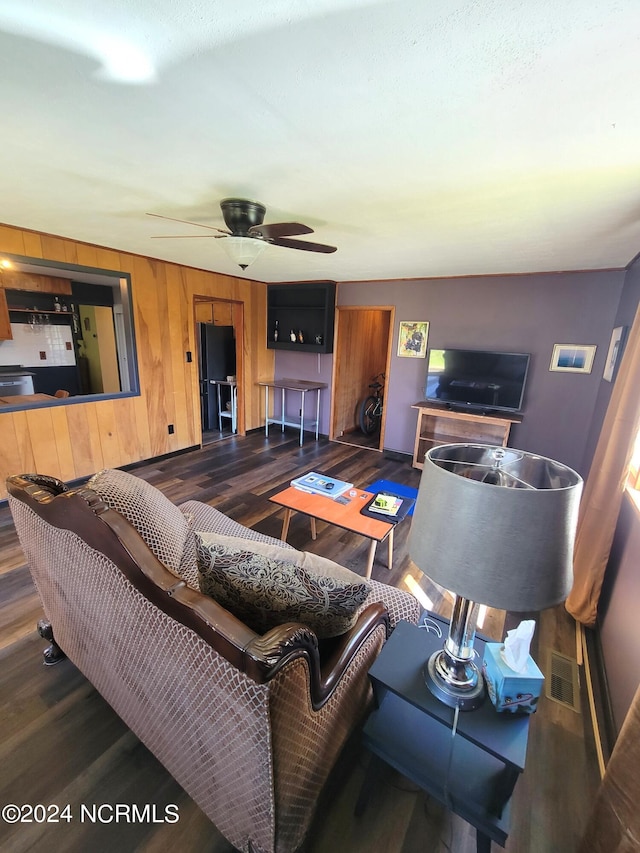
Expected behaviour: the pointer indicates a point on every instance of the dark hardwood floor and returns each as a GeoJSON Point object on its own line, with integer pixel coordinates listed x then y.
{"type": "Point", "coordinates": [61, 743]}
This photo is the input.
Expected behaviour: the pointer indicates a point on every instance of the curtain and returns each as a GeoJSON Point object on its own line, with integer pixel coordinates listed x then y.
{"type": "Point", "coordinates": [605, 485]}
{"type": "Point", "coordinates": [614, 823]}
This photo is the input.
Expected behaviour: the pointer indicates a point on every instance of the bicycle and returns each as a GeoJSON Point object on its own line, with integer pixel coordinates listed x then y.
{"type": "Point", "coordinates": [370, 414]}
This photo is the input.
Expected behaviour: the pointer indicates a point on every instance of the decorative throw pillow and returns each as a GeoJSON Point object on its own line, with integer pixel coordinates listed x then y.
{"type": "Point", "coordinates": [265, 585]}
{"type": "Point", "coordinates": [160, 523]}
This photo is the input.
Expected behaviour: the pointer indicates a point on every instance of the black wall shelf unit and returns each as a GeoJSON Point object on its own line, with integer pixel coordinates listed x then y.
{"type": "Point", "coordinates": [307, 307]}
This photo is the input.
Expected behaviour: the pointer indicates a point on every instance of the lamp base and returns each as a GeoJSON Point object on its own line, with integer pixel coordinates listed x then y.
{"type": "Point", "coordinates": [455, 682]}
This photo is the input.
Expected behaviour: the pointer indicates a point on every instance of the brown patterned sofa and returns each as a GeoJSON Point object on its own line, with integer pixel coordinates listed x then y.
{"type": "Point", "coordinates": [249, 724]}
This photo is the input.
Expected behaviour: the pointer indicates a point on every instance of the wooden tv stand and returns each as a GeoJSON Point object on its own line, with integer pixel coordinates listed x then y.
{"type": "Point", "coordinates": [440, 425]}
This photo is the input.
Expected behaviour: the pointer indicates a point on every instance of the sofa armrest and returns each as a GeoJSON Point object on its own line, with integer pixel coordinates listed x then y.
{"type": "Point", "coordinates": [348, 644]}
{"type": "Point", "coordinates": [291, 641]}
{"type": "Point", "coordinates": [399, 603]}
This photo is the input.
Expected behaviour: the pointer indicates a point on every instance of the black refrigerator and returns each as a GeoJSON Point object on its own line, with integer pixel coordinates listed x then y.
{"type": "Point", "coordinates": [217, 361]}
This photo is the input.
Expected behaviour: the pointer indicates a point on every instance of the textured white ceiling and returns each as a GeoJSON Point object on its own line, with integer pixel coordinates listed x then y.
{"type": "Point", "coordinates": [420, 137]}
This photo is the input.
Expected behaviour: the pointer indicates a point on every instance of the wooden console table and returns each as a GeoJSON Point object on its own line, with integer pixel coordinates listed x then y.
{"type": "Point", "coordinates": [439, 425]}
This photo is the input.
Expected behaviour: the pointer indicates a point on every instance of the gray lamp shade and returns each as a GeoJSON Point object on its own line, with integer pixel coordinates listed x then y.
{"type": "Point", "coordinates": [496, 525]}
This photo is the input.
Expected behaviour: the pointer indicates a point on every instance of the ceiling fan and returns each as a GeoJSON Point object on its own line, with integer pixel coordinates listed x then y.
{"type": "Point", "coordinates": [247, 237]}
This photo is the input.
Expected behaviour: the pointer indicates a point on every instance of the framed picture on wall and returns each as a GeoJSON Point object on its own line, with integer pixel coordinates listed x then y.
{"type": "Point", "coordinates": [412, 339]}
{"type": "Point", "coordinates": [572, 358]}
{"type": "Point", "coordinates": [615, 348]}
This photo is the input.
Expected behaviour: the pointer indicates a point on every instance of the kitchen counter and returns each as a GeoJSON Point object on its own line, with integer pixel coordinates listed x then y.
{"type": "Point", "coordinates": [21, 399]}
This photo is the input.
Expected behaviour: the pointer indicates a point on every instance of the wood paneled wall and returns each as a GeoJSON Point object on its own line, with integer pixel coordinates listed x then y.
{"type": "Point", "coordinates": [76, 440]}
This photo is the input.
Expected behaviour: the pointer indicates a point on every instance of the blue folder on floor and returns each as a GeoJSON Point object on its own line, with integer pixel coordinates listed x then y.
{"type": "Point", "coordinates": [393, 489]}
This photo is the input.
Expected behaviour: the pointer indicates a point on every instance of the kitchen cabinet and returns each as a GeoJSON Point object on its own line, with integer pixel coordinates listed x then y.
{"type": "Point", "coordinates": [5, 325]}
{"type": "Point", "coordinates": [13, 280]}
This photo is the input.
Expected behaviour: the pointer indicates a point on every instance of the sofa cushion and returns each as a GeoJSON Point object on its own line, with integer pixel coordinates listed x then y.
{"type": "Point", "coordinates": [160, 523]}
{"type": "Point", "coordinates": [201, 516]}
{"type": "Point", "coordinates": [266, 585]}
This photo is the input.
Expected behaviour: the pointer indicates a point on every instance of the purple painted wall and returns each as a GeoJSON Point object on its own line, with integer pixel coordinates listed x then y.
{"type": "Point", "coordinates": [527, 313]}
{"type": "Point", "coordinates": [627, 307]}
{"type": "Point", "coordinates": [562, 412]}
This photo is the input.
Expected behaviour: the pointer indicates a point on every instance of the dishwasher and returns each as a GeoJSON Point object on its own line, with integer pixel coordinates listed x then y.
{"type": "Point", "coordinates": [13, 384]}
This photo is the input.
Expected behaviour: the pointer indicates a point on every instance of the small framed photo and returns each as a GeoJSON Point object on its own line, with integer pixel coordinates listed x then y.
{"type": "Point", "coordinates": [412, 339]}
{"type": "Point", "coordinates": [572, 358]}
{"type": "Point", "coordinates": [615, 348]}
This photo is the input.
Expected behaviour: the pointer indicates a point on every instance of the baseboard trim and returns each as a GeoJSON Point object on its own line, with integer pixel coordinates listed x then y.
{"type": "Point", "coordinates": [397, 455]}
{"type": "Point", "coordinates": [604, 732]}
{"type": "Point", "coordinates": [132, 465]}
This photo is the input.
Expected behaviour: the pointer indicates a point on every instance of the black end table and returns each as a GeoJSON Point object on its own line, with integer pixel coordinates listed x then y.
{"type": "Point", "coordinates": [472, 770]}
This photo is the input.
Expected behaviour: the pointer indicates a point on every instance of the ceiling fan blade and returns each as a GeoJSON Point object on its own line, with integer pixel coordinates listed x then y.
{"type": "Point", "coordinates": [304, 245]}
{"type": "Point", "coordinates": [186, 222]}
{"type": "Point", "coordinates": [182, 236]}
{"type": "Point", "coordinates": [280, 229]}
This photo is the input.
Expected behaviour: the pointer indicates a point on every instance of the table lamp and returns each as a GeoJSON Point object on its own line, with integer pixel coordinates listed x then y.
{"type": "Point", "coordinates": [495, 526]}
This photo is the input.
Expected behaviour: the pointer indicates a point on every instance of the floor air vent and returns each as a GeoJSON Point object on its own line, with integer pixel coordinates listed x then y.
{"type": "Point", "coordinates": [562, 680]}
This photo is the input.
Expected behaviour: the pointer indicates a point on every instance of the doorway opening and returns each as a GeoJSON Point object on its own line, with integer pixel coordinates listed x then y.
{"type": "Point", "coordinates": [219, 337]}
{"type": "Point", "coordinates": [97, 350]}
{"type": "Point", "coordinates": [362, 351]}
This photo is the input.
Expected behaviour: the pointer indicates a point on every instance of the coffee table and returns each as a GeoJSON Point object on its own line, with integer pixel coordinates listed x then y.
{"type": "Point", "coordinates": [345, 515]}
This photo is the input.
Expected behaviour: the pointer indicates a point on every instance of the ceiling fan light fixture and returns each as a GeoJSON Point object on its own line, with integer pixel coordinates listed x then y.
{"type": "Point", "coordinates": [244, 250]}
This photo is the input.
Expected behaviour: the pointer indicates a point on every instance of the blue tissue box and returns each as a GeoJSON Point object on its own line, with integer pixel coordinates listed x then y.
{"type": "Point", "coordinates": [514, 692]}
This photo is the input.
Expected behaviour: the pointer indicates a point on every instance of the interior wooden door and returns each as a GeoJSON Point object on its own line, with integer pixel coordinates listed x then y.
{"type": "Point", "coordinates": [362, 349]}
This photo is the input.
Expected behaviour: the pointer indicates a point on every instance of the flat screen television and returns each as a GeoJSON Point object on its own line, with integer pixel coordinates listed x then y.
{"type": "Point", "coordinates": [476, 379]}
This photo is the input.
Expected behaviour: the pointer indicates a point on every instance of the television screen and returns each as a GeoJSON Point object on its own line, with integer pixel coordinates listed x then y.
{"type": "Point", "coordinates": [476, 379]}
